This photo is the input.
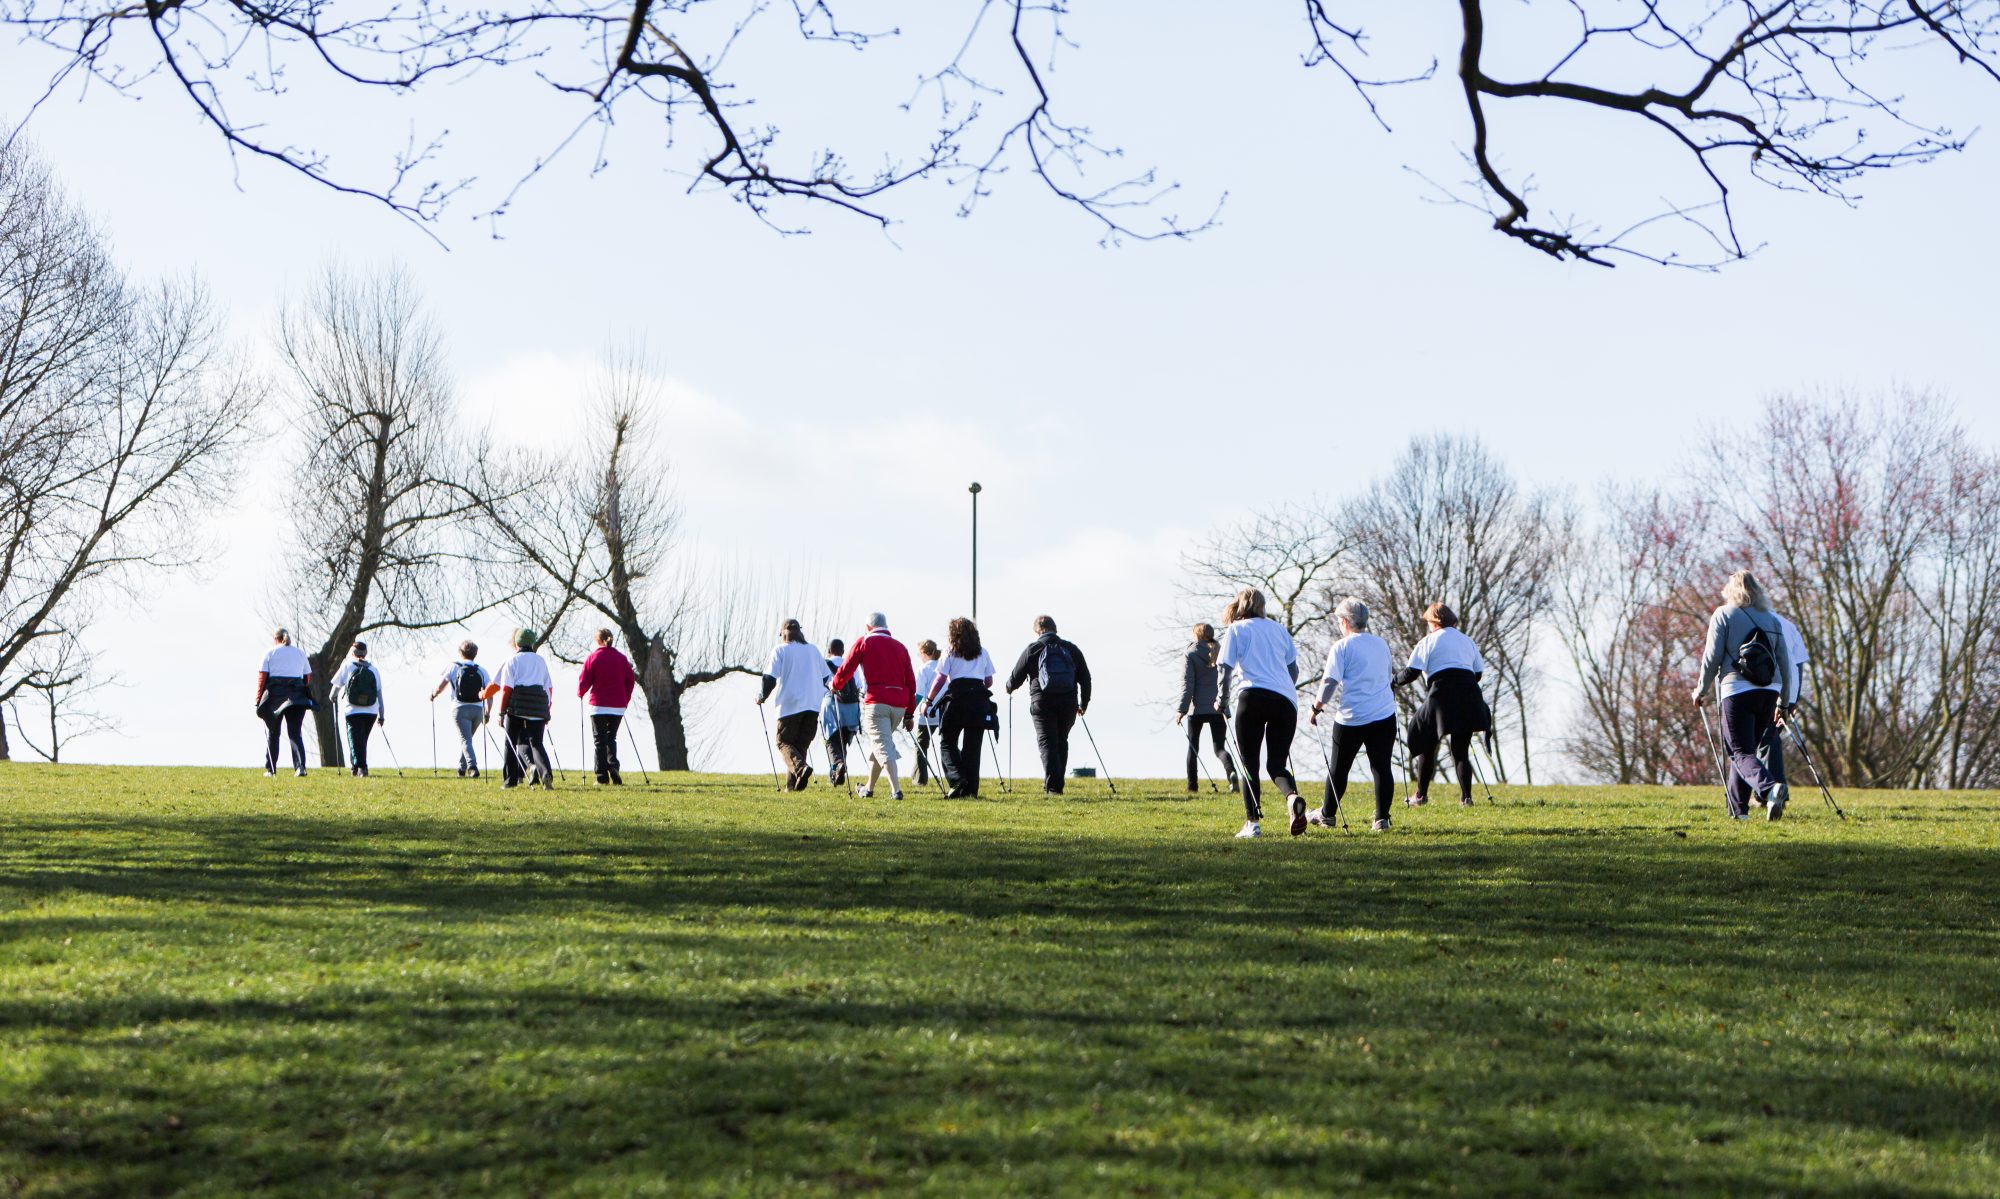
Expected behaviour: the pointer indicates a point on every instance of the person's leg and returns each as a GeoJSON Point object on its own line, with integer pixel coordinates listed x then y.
{"type": "Point", "coordinates": [1422, 739]}
{"type": "Point", "coordinates": [791, 750]}
{"type": "Point", "coordinates": [1745, 719]}
{"type": "Point", "coordinates": [1380, 739]}
{"type": "Point", "coordinates": [1062, 722]}
{"type": "Point", "coordinates": [1219, 734]}
{"type": "Point", "coordinates": [295, 720]}
{"type": "Point", "coordinates": [512, 737]}
{"type": "Point", "coordinates": [950, 762]}
{"type": "Point", "coordinates": [354, 753]}
{"type": "Point", "coordinates": [271, 724]}
{"type": "Point", "coordinates": [970, 752]}
{"type": "Point", "coordinates": [466, 717]}
{"type": "Point", "coordinates": [600, 762]}
{"type": "Point", "coordinates": [1461, 761]}
{"type": "Point", "coordinates": [1250, 752]}
{"type": "Point", "coordinates": [1347, 741]}
{"type": "Point", "coordinates": [924, 754]}
{"type": "Point", "coordinates": [1193, 753]}
{"type": "Point", "coordinates": [1280, 727]}
{"type": "Point", "coordinates": [538, 732]}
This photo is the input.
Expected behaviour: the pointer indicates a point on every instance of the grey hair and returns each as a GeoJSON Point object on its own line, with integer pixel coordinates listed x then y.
{"type": "Point", "coordinates": [1354, 612]}
{"type": "Point", "coordinates": [281, 636]}
{"type": "Point", "coordinates": [1743, 591]}
{"type": "Point", "coordinates": [877, 621]}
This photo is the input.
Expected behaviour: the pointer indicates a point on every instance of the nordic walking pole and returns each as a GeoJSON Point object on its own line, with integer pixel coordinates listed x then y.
{"type": "Point", "coordinates": [1339, 809]}
{"type": "Point", "coordinates": [1803, 753]}
{"type": "Point", "coordinates": [768, 751]}
{"type": "Point", "coordinates": [1100, 753]}
{"type": "Point", "coordinates": [434, 736]}
{"type": "Point", "coordinates": [1010, 734]}
{"type": "Point", "coordinates": [582, 743]}
{"type": "Point", "coordinates": [1006, 787]}
{"type": "Point", "coordinates": [1480, 775]}
{"type": "Point", "coordinates": [1720, 768]}
{"type": "Point", "coordinates": [393, 760]}
{"type": "Point", "coordinates": [637, 756]}
{"type": "Point", "coordinates": [1200, 761]}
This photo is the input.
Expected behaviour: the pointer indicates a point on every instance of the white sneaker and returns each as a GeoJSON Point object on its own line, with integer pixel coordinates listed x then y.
{"type": "Point", "coordinates": [1779, 797]}
{"type": "Point", "coordinates": [865, 792]}
{"type": "Point", "coordinates": [1381, 826]}
{"type": "Point", "coordinates": [1296, 808]}
{"type": "Point", "coordinates": [1248, 830]}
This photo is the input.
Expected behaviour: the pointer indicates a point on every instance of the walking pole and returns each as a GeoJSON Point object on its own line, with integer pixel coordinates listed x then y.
{"type": "Point", "coordinates": [1480, 776]}
{"type": "Point", "coordinates": [548, 748]}
{"type": "Point", "coordinates": [937, 776]}
{"type": "Point", "coordinates": [1100, 753]}
{"type": "Point", "coordinates": [582, 745]}
{"type": "Point", "coordinates": [1720, 768]}
{"type": "Point", "coordinates": [434, 736]}
{"type": "Point", "coordinates": [768, 751]}
{"type": "Point", "coordinates": [1200, 761]}
{"type": "Point", "coordinates": [1824, 793]}
{"type": "Point", "coordinates": [486, 728]}
{"type": "Point", "coordinates": [1339, 809]}
{"type": "Point", "coordinates": [638, 757]}
{"type": "Point", "coordinates": [393, 760]}
{"type": "Point", "coordinates": [1006, 787]}
{"type": "Point", "coordinates": [1010, 734]}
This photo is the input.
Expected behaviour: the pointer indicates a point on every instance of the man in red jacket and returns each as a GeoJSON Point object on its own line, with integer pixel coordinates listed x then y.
{"type": "Point", "coordinates": [606, 682]}
{"type": "Point", "coordinates": [888, 698]}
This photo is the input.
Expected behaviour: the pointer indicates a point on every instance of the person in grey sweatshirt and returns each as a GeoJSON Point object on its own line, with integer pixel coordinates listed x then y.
{"type": "Point", "coordinates": [1748, 664]}
{"type": "Point", "coordinates": [1202, 705]}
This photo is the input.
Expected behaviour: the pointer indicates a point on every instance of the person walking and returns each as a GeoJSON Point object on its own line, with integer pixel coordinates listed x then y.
{"type": "Point", "coordinates": [1773, 751]}
{"type": "Point", "coordinates": [605, 683]}
{"type": "Point", "coordinates": [1259, 667]}
{"type": "Point", "coordinates": [466, 679]}
{"type": "Point", "coordinates": [840, 715]}
{"type": "Point", "coordinates": [1058, 682]}
{"type": "Point", "coordinates": [527, 691]}
{"type": "Point", "coordinates": [360, 688]}
{"type": "Point", "coordinates": [1747, 664]}
{"type": "Point", "coordinates": [927, 715]}
{"type": "Point", "coordinates": [1201, 705]}
{"type": "Point", "coordinates": [1454, 709]}
{"type": "Point", "coordinates": [1358, 668]}
{"type": "Point", "coordinates": [799, 676]}
{"type": "Point", "coordinates": [284, 696]}
{"type": "Point", "coordinates": [888, 698]}
{"type": "Point", "coordinates": [965, 683]}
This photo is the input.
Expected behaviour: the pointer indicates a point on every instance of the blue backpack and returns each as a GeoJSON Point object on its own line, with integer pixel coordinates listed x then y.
{"type": "Point", "coordinates": [1057, 671]}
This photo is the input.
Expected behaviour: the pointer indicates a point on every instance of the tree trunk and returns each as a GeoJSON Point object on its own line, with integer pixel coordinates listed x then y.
{"type": "Point", "coordinates": [4, 756]}
{"type": "Point", "coordinates": [653, 661]}
{"type": "Point", "coordinates": [325, 717]}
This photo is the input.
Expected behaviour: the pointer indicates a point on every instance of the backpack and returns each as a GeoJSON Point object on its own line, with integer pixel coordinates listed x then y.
{"type": "Point", "coordinates": [1057, 671]}
{"type": "Point", "coordinates": [1756, 662]}
{"type": "Point", "coordinates": [850, 694]}
{"type": "Point", "coordinates": [465, 685]}
{"type": "Point", "coordinates": [362, 689]}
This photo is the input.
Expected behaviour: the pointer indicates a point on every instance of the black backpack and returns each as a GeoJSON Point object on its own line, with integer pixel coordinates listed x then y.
{"type": "Point", "coordinates": [362, 691]}
{"type": "Point", "coordinates": [1756, 661]}
{"type": "Point", "coordinates": [466, 685]}
{"type": "Point", "coordinates": [1057, 671]}
{"type": "Point", "coordinates": [850, 694]}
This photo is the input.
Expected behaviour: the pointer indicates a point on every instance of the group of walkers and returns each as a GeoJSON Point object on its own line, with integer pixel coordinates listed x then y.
{"type": "Point", "coordinates": [945, 706]}
{"type": "Point", "coordinates": [521, 694]}
{"type": "Point", "coordinates": [1752, 664]}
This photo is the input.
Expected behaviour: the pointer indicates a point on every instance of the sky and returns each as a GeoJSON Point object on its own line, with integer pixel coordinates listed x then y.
{"type": "Point", "coordinates": [828, 397]}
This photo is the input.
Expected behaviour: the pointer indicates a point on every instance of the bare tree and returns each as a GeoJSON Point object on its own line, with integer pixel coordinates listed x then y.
{"type": "Point", "coordinates": [1450, 524]}
{"type": "Point", "coordinates": [121, 415]}
{"type": "Point", "coordinates": [378, 488]}
{"type": "Point", "coordinates": [62, 674]}
{"type": "Point", "coordinates": [1807, 95]}
{"type": "Point", "coordinates": [1296, 554]}
{"type": "Point", "coordinates": [594, 538]}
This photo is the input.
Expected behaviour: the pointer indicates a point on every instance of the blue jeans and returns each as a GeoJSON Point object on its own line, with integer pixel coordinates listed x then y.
{"type": "Point", "coordinates": [467, 717]}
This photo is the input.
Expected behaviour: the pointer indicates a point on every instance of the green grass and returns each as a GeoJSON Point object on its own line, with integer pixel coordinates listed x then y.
{"type": "Point", "coordinates": [213, 984]}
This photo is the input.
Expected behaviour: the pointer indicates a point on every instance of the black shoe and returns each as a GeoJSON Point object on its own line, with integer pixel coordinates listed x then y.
{"type": "Point", "coordinates": [617, 779]}
{"type": "Point", "coordinates": [1193, 786]}
{"type": "Point", "coordinates": [1235, 786]}
{"type": "Point", "coordinates": [508, 786]}
{"type": "Point", "coordinates": [472, 772]}
{"type": "Point", "coordinates": [604, 780]}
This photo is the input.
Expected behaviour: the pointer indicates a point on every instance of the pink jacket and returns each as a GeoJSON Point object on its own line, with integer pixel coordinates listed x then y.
{"type": "Point", "coordinates": [607, 678]}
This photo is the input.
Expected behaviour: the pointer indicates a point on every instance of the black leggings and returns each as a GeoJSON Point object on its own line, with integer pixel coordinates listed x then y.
{"type": "Point", "coordinates": [1461, 760]}
{"type": "Point", "coordinates": [604, 745]}
{"type": "Point", "coordinates": [1265, 724]}
{"type": "Point", "coordinates": [1217, 735]}
{"type": "Point", "coordinates": [1379, 738]}
{"type": "Point", "coordinates": [290, 719]}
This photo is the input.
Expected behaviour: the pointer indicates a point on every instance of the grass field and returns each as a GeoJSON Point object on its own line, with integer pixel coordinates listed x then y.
{"type": "Point", "coordinates": [212, 983]}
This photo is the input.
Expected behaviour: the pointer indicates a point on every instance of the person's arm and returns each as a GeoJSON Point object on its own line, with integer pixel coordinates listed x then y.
{"type": "Point", "coordinates": [848, 666]}
{"type": "Point", "coordinates": [1225, 678]}
{"type": "Point", "coordinates": [1787, 681]}
{"type": "Point", "coordinates": [1406, 676]}
{"type": "Point", "coordinates": [584, 676]}
{"type": "Point", "coordinates": [770, 685]}
{"type": "Point", "coordinates": [263, 684]}
{"type": "Point", "coordinates": [439, 689]}
{"type": "Point", "coordinates": [1187, 688]}
{"type": "Point", "coordinates": [381, 699]}
{"type": "Point", "coordinates": [1711, 654]}
{"type": "Point", "coordinates": [1022, 666]}
{"type": "Point", "coordinates": [1329, 679]}
{"type": "Point", "coordinates": [1082, 679]}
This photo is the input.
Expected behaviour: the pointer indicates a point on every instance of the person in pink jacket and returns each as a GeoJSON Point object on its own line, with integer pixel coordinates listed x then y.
{"type": "Point", "coordinates": [606, 685]}
{"type": "Point", "coordinates": [888, 698]}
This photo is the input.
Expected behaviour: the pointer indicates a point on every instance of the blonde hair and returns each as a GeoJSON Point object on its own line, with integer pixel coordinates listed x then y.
{"type": "Point", "coordinates": [1248, 605]}
{"type": "Point", "coordinates": [1743, 591]}
{"type": "Point", "coordinates": [1204, 636]}
{"type": "Point", "coordinates": [282, 636]}
{"type": "Point", "coordinates": [1441, 615]}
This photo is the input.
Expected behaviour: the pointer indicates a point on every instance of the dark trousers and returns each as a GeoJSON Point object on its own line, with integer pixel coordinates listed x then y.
{"type": "Point", "coordinates": [291, 718]}
{"type": "Point", "coordinates": [359, 725]}
{"type": "Point", "coordinates": [962, 736]}
{"type": "Point", "coordinates": [837, 742]}
{"type": "Point", "coordinates": [795, 737]}
{"type": "Point", "coordinates": [524, 749]}
{"type": "Point", "coordinates": [1053, 720]}
{"type": "Point", "coordinates": [1749, 733]}
{"type": "Point", "coordinates": [1265, 725]}
{"type": "Point", "coordinates": [1461, 761]}
{"type": "Point", "coordinates": [604, 746]}
{"type": "Point", "coordinates": [926, 733]}
{"type": "Point", "coordinates": [1219, 735]}
{"type": "Point", "coordinates": [1379, 739]}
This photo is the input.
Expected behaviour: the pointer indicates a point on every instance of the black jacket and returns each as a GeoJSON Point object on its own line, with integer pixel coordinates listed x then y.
{"type": "Point", "coordinates": [1200, 686]}
{"type": "Point", "coordinates": [1028, 669]}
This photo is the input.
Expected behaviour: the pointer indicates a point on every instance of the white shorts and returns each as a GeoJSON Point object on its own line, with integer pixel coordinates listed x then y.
{"type": "Point", "coordinates": [878, 731]}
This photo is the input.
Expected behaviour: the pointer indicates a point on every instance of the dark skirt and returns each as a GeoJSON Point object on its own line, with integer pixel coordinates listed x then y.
{"type": "Point", "coordinates": [1454, 705]}
{"type": "Point", "coordinates": [282, 695]}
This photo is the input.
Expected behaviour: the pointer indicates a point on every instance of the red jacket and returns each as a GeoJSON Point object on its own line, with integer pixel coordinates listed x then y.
{"type": "Point", "coordinates": [886, 663]}
{"type": "Point", "coordinates": [607, 678]}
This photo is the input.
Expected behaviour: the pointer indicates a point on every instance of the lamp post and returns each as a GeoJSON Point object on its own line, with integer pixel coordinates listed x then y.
{"type": "Point", "coordinates": [975, 489]}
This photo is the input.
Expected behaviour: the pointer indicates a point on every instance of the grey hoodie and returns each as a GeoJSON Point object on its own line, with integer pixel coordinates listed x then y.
{"type": "Point", "coordinates": [1200, 690]}
{"type": "Point", "coordinates": [1728, 629]}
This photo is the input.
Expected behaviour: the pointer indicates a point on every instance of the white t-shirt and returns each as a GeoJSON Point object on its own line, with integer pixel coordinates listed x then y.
{"type": "Point", "coordinates": [286, 662]}
{"type": "Point", "coordinates": [951, 668]}
{"type": "Point", "coordinates": [451, 681]}
{"type": "Point", "coordinates": [926, 675]}
{"type": "Point", "coordinates": [1260, 653]}
{"type": "Point", "coordinates": [526, 669]}
{"type": "Point", "coordinates": [802, 674]}
{"type": "Point", "coordinates": [348, 670]}
{"type": "Point", "coordinates": [1795, 649]}
{"type": "Point", "coordinates": [1358, 665]}
{"type": "Point", "coordinates": [1446, 649]}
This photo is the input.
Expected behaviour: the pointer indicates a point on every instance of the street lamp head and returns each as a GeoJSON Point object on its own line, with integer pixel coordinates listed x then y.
{"type": "Point", "coordinates": [975, 489]}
